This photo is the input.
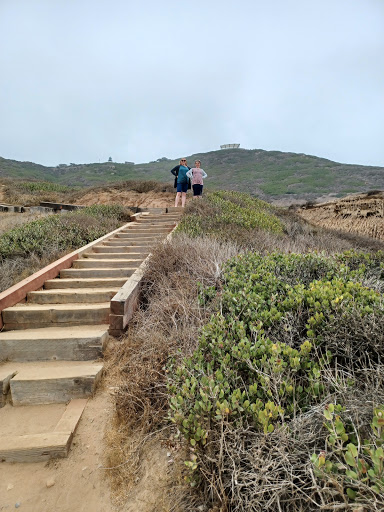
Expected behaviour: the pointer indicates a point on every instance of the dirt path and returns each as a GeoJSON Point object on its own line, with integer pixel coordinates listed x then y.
{"type": "Point", "coordinates": [79, 483]}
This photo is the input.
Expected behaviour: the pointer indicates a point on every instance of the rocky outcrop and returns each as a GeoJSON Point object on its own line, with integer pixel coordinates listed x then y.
{"type": "Point", "coordinates": [361, 213]}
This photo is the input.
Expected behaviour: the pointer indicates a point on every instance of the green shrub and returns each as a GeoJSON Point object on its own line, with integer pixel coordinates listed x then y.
{"type": "Point", "coordinates": [65, 231]}
{"type": "Point", "coordinates": [242, 372]}
{"type": "Point", "coordinates": [230, 211]}
{"type": "Point", "coordinates": [111, 211]}
{"type": "Point", "coordinates": [40, 186]}
{"type": "Point", "coordinates": [356, 465]}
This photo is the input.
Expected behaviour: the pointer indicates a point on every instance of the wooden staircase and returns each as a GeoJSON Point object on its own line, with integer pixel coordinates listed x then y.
{"type": "Point", "coordinates": [53, 343]}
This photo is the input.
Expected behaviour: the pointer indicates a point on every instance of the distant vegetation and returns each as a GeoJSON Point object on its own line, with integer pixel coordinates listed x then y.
{"type": "Point", "coordinates": [30, 193]}
{"type": "Point", "coordinates": [26, 248]}
{"type": "Point", "coordinates": [267, 174]}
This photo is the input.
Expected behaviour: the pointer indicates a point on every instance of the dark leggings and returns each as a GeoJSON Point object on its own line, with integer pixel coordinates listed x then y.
{"type": "Point", "coordinates": [197, 190]}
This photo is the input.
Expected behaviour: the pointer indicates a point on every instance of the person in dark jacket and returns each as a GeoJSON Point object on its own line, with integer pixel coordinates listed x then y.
{"type": "Point", "coordinates": [181, 181]}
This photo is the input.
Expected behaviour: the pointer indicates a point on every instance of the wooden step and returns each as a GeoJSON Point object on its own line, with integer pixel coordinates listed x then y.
{"type": "Point", "coordinates": [77, 343]}
{"type": "Point", "coordinates": [41, 446]}
{"type": "Point", "coordinates": [35, 447]}
{"type": "Point", "coordinates": [24, 316]}
{"type": "Point", "coordinates": [97, 272]}
{"type": "Point", "coordinates": [137, 257]}
{"type": "Point", "coordinates": [167, 219]}
{"type": "Point", "coordinates": [143, 229]}
{"type": "Point", "coordinates": [53, 382]}
{"type": "Point", "coordinates": [156, 222]}
{"type": "Point", "coordinates": [133, 243]}
{"type": "Point", "coordinates": [106, 263]}
{"type": "Point", "coordinates": [72, 295]}
{"type": "Point", "coordinates": [155, 227]}
{"type": "Point", "coordinates": [95, 282]}
{"type": "Point", "coordinates": [121, 249]}
{"type": "Point", "coordinates": [138, 237]}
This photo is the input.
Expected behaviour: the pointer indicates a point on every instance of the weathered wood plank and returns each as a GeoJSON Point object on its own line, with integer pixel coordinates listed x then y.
{"type": "Point", "coordinates": [34, 447]}
{"type": "Point", "coordinates": [71, 416]}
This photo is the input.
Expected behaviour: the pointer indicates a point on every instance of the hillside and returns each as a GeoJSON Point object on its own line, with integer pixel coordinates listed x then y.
{"type": "Point", "coordinates": [271, 175]}
{"type": "Point", "coordinates": [361, 213]}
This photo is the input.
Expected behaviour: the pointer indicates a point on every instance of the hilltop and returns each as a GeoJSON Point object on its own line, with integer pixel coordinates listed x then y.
{"type": "Point", "coordinates": [271, 175]}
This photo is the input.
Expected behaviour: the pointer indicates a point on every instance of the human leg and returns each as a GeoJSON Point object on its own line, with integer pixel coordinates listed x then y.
{"type": "Point", "coordinates": [183, 198]}
{"type": "Point", "coordinates": [178, 194]}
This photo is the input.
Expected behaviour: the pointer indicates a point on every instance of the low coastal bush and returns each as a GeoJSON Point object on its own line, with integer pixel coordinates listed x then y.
{"type": "Point", "coordinates": [225, 211]}
{"type": "Point", "coordinates": [39, 186]}
{"type": "Point", "coordinates": [27, 193]}
{"type": "Point", "coordinates": [275, 350]}
{"type": "Point", "coordinates": [251, 326]}
{"type": "Point", "coordinates": [24, 248]}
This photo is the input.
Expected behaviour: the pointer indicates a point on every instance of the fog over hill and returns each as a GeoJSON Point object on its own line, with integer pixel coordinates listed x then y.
{"type": "Point", "coordinates": [271, 175]}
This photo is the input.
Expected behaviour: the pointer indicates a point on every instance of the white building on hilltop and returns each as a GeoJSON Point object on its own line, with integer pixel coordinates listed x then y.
{"type": "Point", "coordinates": [229, 146]}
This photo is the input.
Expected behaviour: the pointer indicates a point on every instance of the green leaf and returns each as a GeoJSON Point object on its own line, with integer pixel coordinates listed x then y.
{"type": "Point", "coordinates": [349, 459]}
{"type": "Point", "coordinates": [352, 449]}
{"type": "Point", "coordinates": [351, 493]}
{"type": "Point", "coordinates": [339, 425]}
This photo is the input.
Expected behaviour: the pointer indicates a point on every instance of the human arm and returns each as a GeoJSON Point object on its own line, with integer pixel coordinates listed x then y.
{"type": "Point", "coordinates": [190, 173]}
{"type": "Point", "coordinates": [175, 170]}
{"type": "Point", "coordinates": [204, 174]}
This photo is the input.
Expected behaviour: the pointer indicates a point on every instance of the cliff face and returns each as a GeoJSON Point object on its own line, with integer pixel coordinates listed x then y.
{"type": "Point", "coordinates": [360, 213]}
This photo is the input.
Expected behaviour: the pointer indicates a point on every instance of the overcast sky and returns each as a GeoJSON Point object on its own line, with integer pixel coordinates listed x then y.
{"type": "Point", "coordinates": [82, 80]}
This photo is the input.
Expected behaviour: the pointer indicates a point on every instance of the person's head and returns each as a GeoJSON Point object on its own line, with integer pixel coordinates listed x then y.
{"type": "Point", "coordinates": [197, 163]}
{"type": "Point", "coordinates": [183, 161]}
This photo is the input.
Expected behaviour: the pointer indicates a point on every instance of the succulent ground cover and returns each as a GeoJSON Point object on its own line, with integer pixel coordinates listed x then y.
{"type": "Point", "coordinates": [257, 356]}
{"type": "Point", "coordinates": [268, 355]}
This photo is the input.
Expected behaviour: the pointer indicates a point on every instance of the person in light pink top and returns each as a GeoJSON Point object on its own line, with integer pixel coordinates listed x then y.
{"type": "Point", "coordinates": [197, 175]}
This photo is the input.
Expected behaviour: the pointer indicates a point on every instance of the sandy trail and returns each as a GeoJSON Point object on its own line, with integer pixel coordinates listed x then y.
{"type": "Point", "coordinates": [79, 483]}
